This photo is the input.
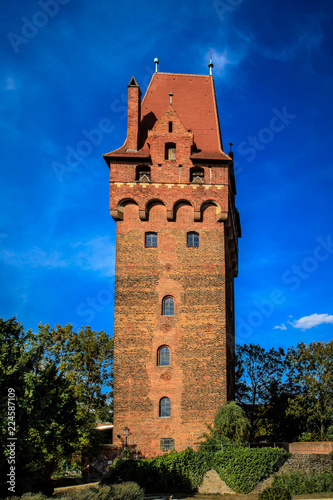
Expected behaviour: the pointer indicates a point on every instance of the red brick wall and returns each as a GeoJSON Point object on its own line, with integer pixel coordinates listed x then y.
{"type": "Point", "coordinates": [133, 118]}
{"type": "Point", "coordinates": [322, 448]}
{"type": "Point", "coordinates": [200, 335]}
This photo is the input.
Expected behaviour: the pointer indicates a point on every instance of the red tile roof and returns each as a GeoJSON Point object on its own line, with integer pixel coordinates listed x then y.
{"type": "Point", "coordinates": [194, 102]}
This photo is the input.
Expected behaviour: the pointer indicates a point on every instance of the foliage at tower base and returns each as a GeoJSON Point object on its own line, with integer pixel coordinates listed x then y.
{"type": "Point", "coordinates": [287, 396]}
{"type": "Point", "coordinates": [230, 425]}
{"type": "Point", "coordinates": [312, 367]}
{"type": "Point", "coordinates": [47, 411]}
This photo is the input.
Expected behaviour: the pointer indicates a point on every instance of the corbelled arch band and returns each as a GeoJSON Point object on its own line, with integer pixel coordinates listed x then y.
{"type": "Point", "coordinates": [171, 213]}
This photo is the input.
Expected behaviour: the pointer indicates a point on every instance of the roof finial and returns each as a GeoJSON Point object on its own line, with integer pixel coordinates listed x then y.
{"type": "Point", "coordinates": [156, 61]}
{"type": "Point", "coordinates": [171, 94]}
{"type": "Point", "coordinates": [210, 65]}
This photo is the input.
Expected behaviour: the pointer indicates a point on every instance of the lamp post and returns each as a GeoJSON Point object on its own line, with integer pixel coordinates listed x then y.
{"type": "Point", "coordinates": [126, 432]}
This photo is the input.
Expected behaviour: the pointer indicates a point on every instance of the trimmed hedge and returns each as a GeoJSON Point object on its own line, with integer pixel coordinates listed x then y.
{"type": "Point", "coordinates": [172, 472]}
{"type": "Point", "coordinates": [299, 483]}
{"type": "Point", "coordinates": [275, 493]}
{"type": "Point", "coordinates": [243, 468]}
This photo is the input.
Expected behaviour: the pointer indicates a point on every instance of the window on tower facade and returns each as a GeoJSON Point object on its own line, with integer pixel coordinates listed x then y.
{"type": "Point", "coordinates": [165, 407]}
{"type": "Point", "coordinates": [163, 356]}
{"type": "Point", "coordinates": [197, 175]}
{"type": "Point", "coordinates": [170, 151]}
{"type": "Point", "coordinates": [192, 239]}
{"type": "Point", "coordinates": [167, 444]}
{"type": "Point", "coordinates": [168, 306]}
{"type": "Point", "coordinates": [142, 173]}
{"type": "Point", "coordinates": [151, 239]}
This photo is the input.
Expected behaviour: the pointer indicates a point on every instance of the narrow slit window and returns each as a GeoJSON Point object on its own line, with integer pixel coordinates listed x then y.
{"type": "Point", "coordinates": [163, 356]}
{"type": "Point", "coordinates": [168, 306]}
{"type": "Point", "coordinates": [165, 407]}
{"type": "Point", "coordinates": [151, 239]}
{"type": "Point", "coordinates": [170, 126]}
{"type": "Point", "coordinates": [192, 239]}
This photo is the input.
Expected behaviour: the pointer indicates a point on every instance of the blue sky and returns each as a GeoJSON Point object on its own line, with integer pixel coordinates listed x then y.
{"type": "Point", "coordinates": [65, 67]}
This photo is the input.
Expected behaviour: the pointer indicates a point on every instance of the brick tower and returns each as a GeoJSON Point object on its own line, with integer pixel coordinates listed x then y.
{"type": "Point", "coordinates": [172, 192]}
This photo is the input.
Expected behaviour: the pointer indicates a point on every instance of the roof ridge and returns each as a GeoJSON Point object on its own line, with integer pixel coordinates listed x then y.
{"type": "Point", "coordinates": [181, 74]}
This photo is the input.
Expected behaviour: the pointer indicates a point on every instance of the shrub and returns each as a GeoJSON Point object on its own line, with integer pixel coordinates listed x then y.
{"type": "Point", "coordinates": [173, 472]}
{"type": "Point", "coordinates": [299, 483]}
{"type": "Point", "coordinates": [231, 425]}
{"type": "Point", "coordinates": [329, 433]}
{"type": "Point", "coordinates": [243, 468]}
{"type": "Point", "coordinates": [307, 437]}
{"type": "Point", "coordinates": [275, 493]}
{"type": "Point", "coordinates": [126, 491]}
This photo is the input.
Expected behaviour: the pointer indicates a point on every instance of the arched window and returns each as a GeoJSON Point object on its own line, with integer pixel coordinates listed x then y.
{"type": "Point", "coordinates": [151, 239]}
{"type": "Point", "coordinates": [142, 173]}
{"type": "Point", "coordinates": [168, 306]}
{"type": "Point", "coordinates": [170, 151]}
{"type": "Point", "coordinates": [197, 175]}
{"type": "Point", "coordinates": [192, 239]}
{"type": "Point", "coordinates": [163, 356]}
{"type": "Point", "coordinates": [165, 407]}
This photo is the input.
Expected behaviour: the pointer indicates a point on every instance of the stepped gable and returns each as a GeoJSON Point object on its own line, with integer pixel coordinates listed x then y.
{"type": "Point", "coordinates": [194, 102]}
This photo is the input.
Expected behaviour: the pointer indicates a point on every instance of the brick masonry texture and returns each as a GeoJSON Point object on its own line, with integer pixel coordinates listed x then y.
{"type": "Point", "coordinates": [200, 334]}
{"type": "Point", "coordinates": [316, 448]}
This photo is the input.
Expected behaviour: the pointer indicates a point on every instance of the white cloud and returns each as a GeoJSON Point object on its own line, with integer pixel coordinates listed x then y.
{"type": "Point", "coordinates": [34, 257]}
{"type": "Point", "coordinates": [226, 58]}
{"type": "Point", "coordinates": [97, 254]}
{"type": "Point", "coordinates": [280, 327]}
{"type": "Point", "coordinates": [10, 84]}
{"type": "Point", "coordinates": [308, 322]}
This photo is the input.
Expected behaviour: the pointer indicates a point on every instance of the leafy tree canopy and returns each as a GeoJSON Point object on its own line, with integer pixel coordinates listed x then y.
{"type": "Point", "coordinates": [58, 376]}
{"type": "Point", "coordinates": [263, 387]}
{"type": "Point", "coordinates": [86, 359]}
{"type": "Point", "coordinates": [231, 425]}
{"type": "Point", "coordinates": [313, 373]}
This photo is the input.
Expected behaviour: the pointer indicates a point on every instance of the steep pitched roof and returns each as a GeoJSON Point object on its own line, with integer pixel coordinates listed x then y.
{"type": "Point", "coordinates": [194, 102]}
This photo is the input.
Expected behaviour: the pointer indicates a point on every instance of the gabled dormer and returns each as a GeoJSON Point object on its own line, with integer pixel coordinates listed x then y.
{"type": "Point", "coordinates": [169, 141]}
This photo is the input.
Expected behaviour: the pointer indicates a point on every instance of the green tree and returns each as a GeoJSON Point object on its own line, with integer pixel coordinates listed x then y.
{"type": "Point", "coordinates": [41, 415]}
{"type": "Point", "coordinates": [230, 425]}
{"type": "Point", "coordinates": [58, 376]}
{"type": "Point", "coordinates": [313, 374]}
{"type": "Point", "coordinates": [86, 359]}
{"type": "Point", "coordinates": [259, 374]}
{"type": "Point", "coordinates": [51, 427]}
